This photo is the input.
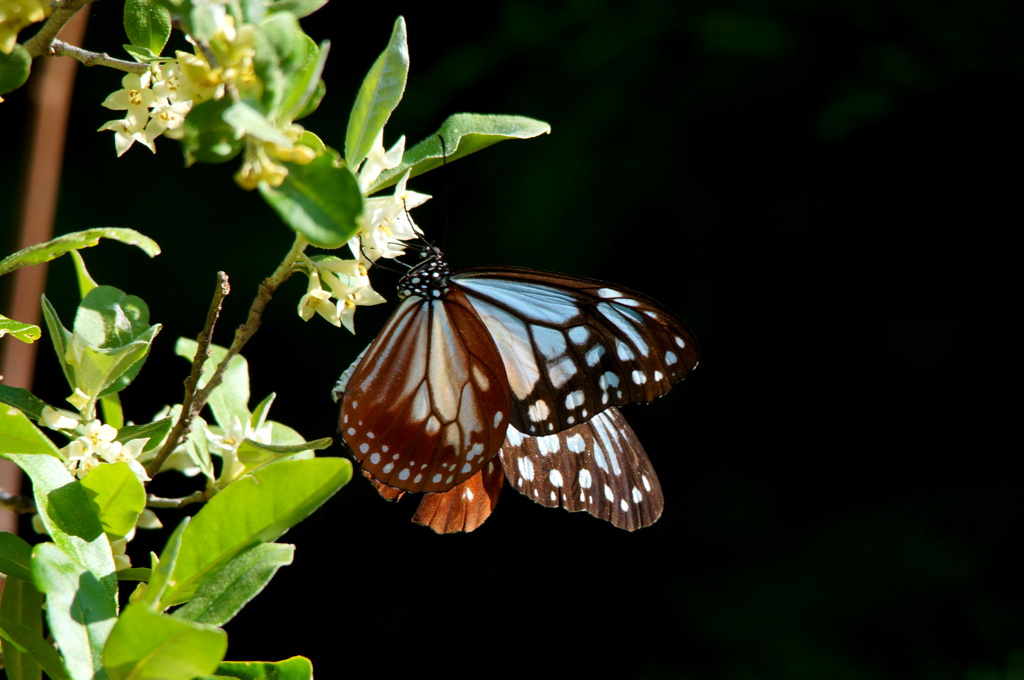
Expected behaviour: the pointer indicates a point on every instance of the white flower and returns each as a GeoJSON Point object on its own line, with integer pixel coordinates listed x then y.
{"type": "Point", "coordinates": [59, 419]}
{"type": "Point", "coordinates": [379, 160]}
{"type": "Point", "coordinates": [318, 301]}
{"type": "Point", "coordinates": [386, 223]}
{"type": "Point", "coordinates": [135, 95]}
{"type": "Point", "coordinates": [167, 117]}
{"type": "Point", "coordinates": [96, 444]}
{"type": "Point", "coordinates": [127, 131]}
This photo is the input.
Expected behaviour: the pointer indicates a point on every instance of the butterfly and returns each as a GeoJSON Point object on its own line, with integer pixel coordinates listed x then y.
{"type": "Point", "coordinates": [469, 356]}
{"type": "Point", "coordinates": [597, 467]}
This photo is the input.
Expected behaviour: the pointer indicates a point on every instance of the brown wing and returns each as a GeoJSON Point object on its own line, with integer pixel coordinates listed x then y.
{"type": "Point", "coordinates": [428, 404]}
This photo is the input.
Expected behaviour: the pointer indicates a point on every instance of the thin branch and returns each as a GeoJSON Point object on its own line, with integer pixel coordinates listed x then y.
{"type": "Point", "coordinates": [195, 400]}
{"type": "Point", "coordinates": [42, 42]}
{"type": "Point", "coordinates": [62, 49]}
{"type": "Point", "coordinates": [252, 324]}
{"type": "Point", "coordinates": [188, 408]}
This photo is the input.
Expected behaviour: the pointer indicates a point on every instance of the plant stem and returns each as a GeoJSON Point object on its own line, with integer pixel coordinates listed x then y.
{"type": "Point", "coordinates": [195, 400]}
{"type": "Point", "coordinates": [42, 42]}
{"type": "Point", "coordinates": [87, 58]}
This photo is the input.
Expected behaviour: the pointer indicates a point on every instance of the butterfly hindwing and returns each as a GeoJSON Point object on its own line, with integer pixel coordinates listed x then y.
{"type": "Point", "coordinates": [598, 467]}
{"type": "Point", "coordinates": [465, 506]}
{"type": "Point", "coordinates": [573, 347]}
{"type": "Point", "coordinates": [428, 404]}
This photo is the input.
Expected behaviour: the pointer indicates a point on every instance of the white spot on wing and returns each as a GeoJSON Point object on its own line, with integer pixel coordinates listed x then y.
{"type": "Point", "coordinates": [555, 477]}
{"type": "Point", "coordinates": [525, 466]}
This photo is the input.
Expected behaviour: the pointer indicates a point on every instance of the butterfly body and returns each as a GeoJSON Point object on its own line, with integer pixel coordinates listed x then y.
{"type": "Point", "coordinates": [467, 354]}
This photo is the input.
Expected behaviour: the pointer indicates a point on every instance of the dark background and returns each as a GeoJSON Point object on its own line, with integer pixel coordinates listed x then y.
{"type": "Point", "coordinates": [827, 193]}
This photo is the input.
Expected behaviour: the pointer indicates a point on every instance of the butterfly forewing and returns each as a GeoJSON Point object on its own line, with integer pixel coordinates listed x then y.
{"type": "Point", "coordinates": [573, 347]}
{"type": "Point", "coordinates": [428, 404]}
{"type": "Point", "coordinates": [598, 467]}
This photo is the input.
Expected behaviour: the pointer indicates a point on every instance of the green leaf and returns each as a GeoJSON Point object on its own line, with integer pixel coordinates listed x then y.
{"type": "Point", "coordinates": [247, 120]}
{"type": "Point", "coordinates": [207, 137]}
{"type": "Point", "coordinates": [86, 283]}
{"type": "Point", "coordinates": [378, 96]}
{"type": "Point", "coordinates": [18, 434]}
{"type": "Point", "coordinates": [61, 338]}
{"type": "Point", "coordinates": [295, 668]}
{"type": "Point", "coordinates": [44, 252]}
{"type": "Point", "coordinates": [284, 54]}
{"type": "Point", "coordinates": [230, 399]}
{"type": "Point", "coordinates": [21, 627]}
{"type": "Point", "coordinates": [253, 454]}
{"type": "Point", "coordinates": [255, 509]}
{"type": "Point", "coordinates": [68, 516]}
{"type": "Point", "coordinates": [227, 590]}
{"type": "Point", "coordinates": [147, 23]}
{"type": "Point", "coordinates": [15, 555]}
{"type": "Point", "coordinates": [80, 610]}
{"type": "Point", "coordinates": [464, 133]}
{"type": "Point", "coordinates": [117, 496]}
{"type": "Point", "coordinates": [145, 644]}
{"type": "Point", "coordinates": [135, 574]}
{"type": "Point", "coordinates": [25, 332]}
{"type": "Point", "coordinates": [160, 577]}
{"type": "Point", "coordinates": [319, 201]}
{"type": "Point", "coordinates": [140, 54]}
{"type": "Point", "coordinates": [100, 372]}
{"type": "Point", "coordinates": [300, 8]}
{"type": "Point", "coordinates": [154, 433]}
{"type": "Point", "coordinates": [108, 318]}
{"type": "Point", "coordinates": [111, 341]}
{"type": "Point", "coordinates": [23, 400]}
{"type": "Point", "coordinates": [14, 70]}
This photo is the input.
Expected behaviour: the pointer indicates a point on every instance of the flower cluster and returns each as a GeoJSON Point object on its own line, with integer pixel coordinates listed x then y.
{"type": "Point", "coordinates": [16, 15]}
{"type": "Point", "coordinates": [386, 226]}
{"type": "Point", "coordinates": [93, 442]}
{"type": "Point", "coordinates": [154, 103]}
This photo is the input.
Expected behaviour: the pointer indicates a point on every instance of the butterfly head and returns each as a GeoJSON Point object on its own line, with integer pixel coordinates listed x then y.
{"type": "Point", "coordinates": [428, 279]}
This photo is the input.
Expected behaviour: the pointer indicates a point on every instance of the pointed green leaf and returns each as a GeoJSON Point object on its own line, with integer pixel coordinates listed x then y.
{"type": "Point", "coordinates": [26, 651]}
{"type": "Point", "coordinates": [61, 338]}
{"type": "Point", "coordinates": [44, 252]}
{"type": "Point", "coordinates": [15, 555]}
{"type": "Point", "coordinates": [25, 332]}
{"type": "Point", "coordinates": [160, 576]}
{"type": "Point", "coordinates": [378, 96]}
{"type": "Point", "coordinates": [147, 23]}
{"type": "Point", "coordinates": [148, 645]}
{"type": "Point", "coordinates": [23, 400]}
{"type": "Point", "coordinates": [227, 590]}
{"type": "Point", "coordinates": [255, 509]}
{"type": "Point", "coordinates": [68, 515]}
{"type": "Point", "coordinates": [108, 318]}
{"type": "Point", "coordinates": [319, 201]}
{"type": "Point", "coordinates": [464, 133]}
{"type": "Point", "coordinates": [18, 434]}
{"type": "Point", "coordinates": [80, 610]}
{"type": "Point", "coordinates": [295, 668]}
{"type": "Point", "coordinates": [154, 433]}
{"type": "Point", "coordinates": [117, 495]}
